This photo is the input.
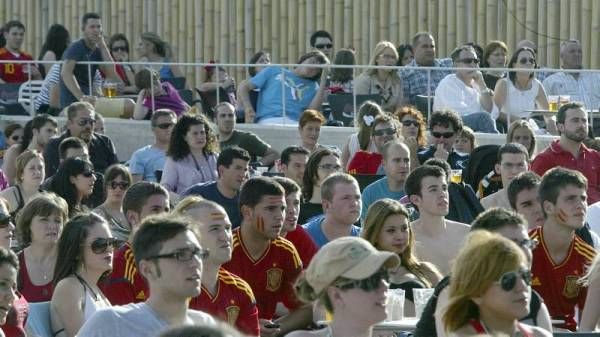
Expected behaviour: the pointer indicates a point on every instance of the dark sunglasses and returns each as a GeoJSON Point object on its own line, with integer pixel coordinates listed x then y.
{"type": "Point", "coordinates": [326, 45]}
{"type": "Point", "coordinates": [120, 49]}
{"type": "Point", "coordinates": [164, 126]}
{"type": "Point", "coordinates": [442, 134]}
{"type": "Point", "coordinates": [184, 255]}
{"type": "Point", "coordinates": [15, 138]}
{"type": "Point", "coordinates": [87, 174]}
{"type": "Point", "coordinates": [4, 220]}
{"type": "Point", "coordinates": [382, 132]}
{"type": "Point", "coordinates": [100, 246]}
{"type": "Point", "coordinates": [525, 60]}
{"type": "Point", "coordinates": [370, 283]}
{"type": "Point", "coordinates": [528, 243]}
{"type": "Point", "coordinates": [409, 123]}
{"type": "Point", "coordinates": [86, 121]}
{"type": "Point", "coordinates": [508, 281]}
{"type": "Point", "coordinates": [469, 61]}
{"type": "Point", "coordinates": [120, 184]}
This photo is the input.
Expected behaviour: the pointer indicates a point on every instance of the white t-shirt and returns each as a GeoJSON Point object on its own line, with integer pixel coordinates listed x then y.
{"type": "Point", "coordinates": [134, 320]}
{"type": "Point", "coordinates": [452, 93]}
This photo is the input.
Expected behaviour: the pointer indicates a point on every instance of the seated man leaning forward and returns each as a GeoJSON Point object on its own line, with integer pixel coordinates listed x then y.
{"type": "Point", "coordinates": [302, 91]}
{"type": "Point", "coordinates": [437, 240]}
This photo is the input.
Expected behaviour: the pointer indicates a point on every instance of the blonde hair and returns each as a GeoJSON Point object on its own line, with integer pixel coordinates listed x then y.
{"type": "Point", "coordinates": [22, 160]}
{"type": "Point", "coordinates": [193, 202]}
{"type": "Point", "coordinates": [520, 123]}
{"type": "Point", "coordinates": [379, 48]}
{"type": "Point", "coordinates": [480, 263]}
{"type": "Point", "coordinates": [378, 212]}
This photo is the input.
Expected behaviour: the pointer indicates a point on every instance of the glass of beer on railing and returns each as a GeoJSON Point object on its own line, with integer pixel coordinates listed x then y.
{"type": "Point", "coordinates": [109, 89]}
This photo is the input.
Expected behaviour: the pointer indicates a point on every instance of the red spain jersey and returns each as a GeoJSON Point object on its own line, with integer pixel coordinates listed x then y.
{"type": "Point", "coordinates": [304, 244]}
{"type": "Point", "coordinates": [557, 283]}
{"type": "Point", "coordinates": [233, 303]}
{"type": "Point", "coordinates": [271, 276]}
{"type": "Point", "coordinates": [125, 285]}
{"type": "Point", "coordinates": [13, 72]}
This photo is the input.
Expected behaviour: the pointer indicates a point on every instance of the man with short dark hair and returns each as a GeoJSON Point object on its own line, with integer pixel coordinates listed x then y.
{"type": "Point", "coordinates": [268, 262]}
{"type": "Point", "coordinates": [562, 257]}
{"type": "Point", "coordinates": [232, 166]}
{"type": "Point", "coordinates": [293, 163]}
{"type": "Point", "coordinates": [229, 136]}
{"type": "Point", "coordinates": [125, 284]}
{"type": "Point", "coordinates": [147, 160]}
{"type": "Point", "coordinates": [444, 127]}
{"type": "Point", "coordinates": [81, 117]}
{"type": "Point", "coordinates": [524, 198]}
{"type": "Point", "coordinates": [416, 81]}
{"type": "Point", "coordinates": [437, 240]}
{"type": "Point", "coordinates": [14, 33]}
{"type": "Point", "coordinates": [569, 151]}
{"type": "Point", "coordinates": [322, 41]}
{"type": "Point", "coordinates": [76, 79]}
{"type": "Point", "coordinates": [512, 159]}
{"type": "Point", "coordinates": [168, 254]}
{"type": "Point", "coordinates": [340, 197]}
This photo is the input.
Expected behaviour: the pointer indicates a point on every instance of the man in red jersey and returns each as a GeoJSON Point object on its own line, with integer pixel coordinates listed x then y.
{"type": "Point", "coordinates": [304, 244]}
{"type": "Point", "coordinates": [569, 151]}
{"type": "Point", "coordinates": [14, 32]}
{"type": "Point", "coordinates": [268, 262]}
{"type": "Point", "coordinates": [224, 295]}
{"type": "Point", "coordinates": [125, 284]}
{"type": "Point", "coordinates": [561, 258]}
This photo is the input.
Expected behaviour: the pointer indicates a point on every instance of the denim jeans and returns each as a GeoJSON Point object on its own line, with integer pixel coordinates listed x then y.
{"type": "Point", "coordinates": [480, 122]}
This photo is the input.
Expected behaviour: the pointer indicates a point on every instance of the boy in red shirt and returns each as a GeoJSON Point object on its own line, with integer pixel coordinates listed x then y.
{"type": "Point", "coordinates": [14, 32]}
{"type": "Point", "coordinates": [561, 258]}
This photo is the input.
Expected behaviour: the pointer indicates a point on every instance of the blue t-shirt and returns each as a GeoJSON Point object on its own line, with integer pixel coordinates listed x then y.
{"type": "Point", "coordinates": [210, 192]}
{"type": "Point", "coordinates": [79, 52]}
{"type": "Point", "coordinates": [146, 161]}
{"type": "Point", "coordinates": [375, 191]}
{"type": "Point", "coordinates": [313, 228]}
{"type": "Point", "coordinates": [299, 92]}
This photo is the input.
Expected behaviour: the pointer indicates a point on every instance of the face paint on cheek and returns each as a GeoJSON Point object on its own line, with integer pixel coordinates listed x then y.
{"type": "Point", "coordinates": [260, 224]}
{"type": "Point", "coordinates": [561, 216]}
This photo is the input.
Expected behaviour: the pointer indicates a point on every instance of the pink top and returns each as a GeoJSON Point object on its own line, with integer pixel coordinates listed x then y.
{"type": "Point", "coordinates": [171, 100]}
{"type": "Point", "coordinates": [179, 175]}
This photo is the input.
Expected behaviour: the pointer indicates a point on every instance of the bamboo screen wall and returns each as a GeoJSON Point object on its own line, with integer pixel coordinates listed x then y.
{"type": "Point", "coordinates": [232, 30]}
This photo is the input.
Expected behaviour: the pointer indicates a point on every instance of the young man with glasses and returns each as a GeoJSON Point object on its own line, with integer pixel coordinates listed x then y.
{"type": "Point", "coordinates": [341, 200]}
{"type": "Point", "coordinates": [512, 159]}
{"type": "Point", "coordinates": [81, 118]}
{"type": "Point", "coordinates": [466, 93]}
{"type": "Point", "coordinates": [146, 161]}
{"type": "Point", "coordinates": [125, 284]}
{"type": "Point", "coordinates": [444, 127]}
{"type": "Point", "coordinates": [511, 226]}
{"type": "Point", "coordinates": [322, 41]}
{"type": "Point", "coordinates": [168, 254]}
{"type": "Point", "coordinates": [268, 262]}
{"type": "Point", "coordinates": [562, 257]}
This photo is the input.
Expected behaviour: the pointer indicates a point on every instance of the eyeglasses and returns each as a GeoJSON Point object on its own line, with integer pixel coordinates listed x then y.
{"type": "Point", "coordinates": [330, 167]}
{"type": "Point", "coordinates": [409, 123]}
{"type": "Point", "coordinates": [16, 138]}
{"type": "Point", "coordinates": [4, 220]}
{"type": "Point", "coordinates": [528, 243]}
{"type": "Point", "coordinates": [85, 121]}
{"type": "Point", "coordinates": [508, 281]}
{"type": "Point", "coordinates": [115, 49]}
{"type": "Point", "coordinates": [184, 254]}
{"type": "Point", "coordinates": [121, 184]}
{"type": "Point", "coordinates": [370, 283]}
{"type": "Point", "coordinates": [325, 45]}
{"type": "Point", "coordinates": [164, 126]}
{"type": "Point", "coordinates": [383, 132]}
{"type": "Point", "coordinates": [101, 245]}
{"type": "Point", "coordinates": [469, 61]}
{"type": "Point", "coordinates": [87, 174]}
{"type": "Point", "coordinates": [527, 59]}
{"type": "Point", "coordinates": [442, 134]}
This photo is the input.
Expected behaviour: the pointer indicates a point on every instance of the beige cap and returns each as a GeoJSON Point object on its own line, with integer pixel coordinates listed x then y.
{"type": "Point", "coordinates": [350, 257]}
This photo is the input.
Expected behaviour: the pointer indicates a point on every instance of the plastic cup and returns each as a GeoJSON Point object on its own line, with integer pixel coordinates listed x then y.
{"type": "Point", "coordinates": [456, 176]}
{"type": "Point", "coordinates": [421, 297]}
{"type": "Point", "coordinates": [109, 89]}
{"type": "Point", "coordinates": [395, 305]}
{"type": "Point", "coordinates": [553, 102]}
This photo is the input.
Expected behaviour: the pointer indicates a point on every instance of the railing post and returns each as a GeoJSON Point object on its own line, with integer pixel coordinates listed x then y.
{"type": "Point", "coordinates": [283, 105]}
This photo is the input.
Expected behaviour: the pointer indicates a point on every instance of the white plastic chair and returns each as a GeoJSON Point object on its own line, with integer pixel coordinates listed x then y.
{"type": "Point", "coordinates": [27, 93]}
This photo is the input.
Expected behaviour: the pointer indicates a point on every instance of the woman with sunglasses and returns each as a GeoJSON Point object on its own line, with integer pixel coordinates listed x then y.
{"type": "Point", "coordinates": [384, 129]}
{"type": "Point", "coordinates": [13, 134]}
{"type": "Point", "coordinates": [489, 289]}
{"type": "Point", "coordinates": [387, 228]}
{"type": "Point", "coordinates": [116, 181]}
{"type": "Point", "coordinates": [521, 92]}
{"type": "Point", "coordinates": [413, 131]}
{"type": "Point", "coordinates": [85, 252]}
{"type": "Point", "coordinates": [321, 164]}
{"type": "Point", "coordinates": [362, 139]}
{"type": "Point", "coordinates": [119, 49]}
{"type": "Point", "coordinates": [38, 228]}
{"type": "Point", "coordinates": [28, 179]}
{"type": "Point", "coordinates": [349, 277]}
{"type": "Point", "coordinates": [74, 181]}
